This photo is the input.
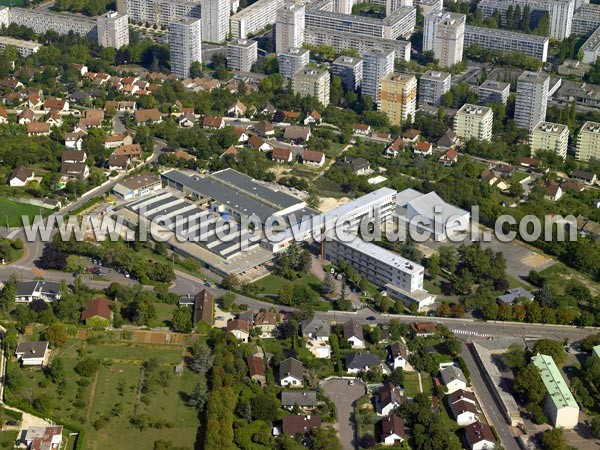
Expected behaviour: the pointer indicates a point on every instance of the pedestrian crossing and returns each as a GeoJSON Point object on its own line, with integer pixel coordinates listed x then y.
{"type": "Point", "coordinates": [471, 333]}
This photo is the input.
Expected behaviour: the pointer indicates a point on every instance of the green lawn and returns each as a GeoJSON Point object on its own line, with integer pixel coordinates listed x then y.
{"type": "Point", "coordinates": [12, 211]}
{"type": "Point", "coordinates": [427, 383]}
{"type": "Point", "coordinates": [519, 176]}
{"type": "Point", "coordinates": [411, 384]}
{"type": "Point", "coordinates": [271, 284]}
{"type": "Point", "coordinates": [8, 438]}
{"type": "Point", "coordinates": [558, 273]}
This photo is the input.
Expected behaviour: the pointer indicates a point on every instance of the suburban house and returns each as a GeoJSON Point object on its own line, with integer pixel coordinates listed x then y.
{"type": "Point", "coordinates": [143, 116]}
{"type": "Point", "coordinates": [392, 430]}
{"type": "Point", "coordinates": [423, 148]}
{"type": "Point", "coordinates": [392, 150]}
{"type": "Point", "coordinates": [20, 177]}
{"type": "Point", "coordinates": [137, 186]}
{"type": "Point", "coordinates": [302, 425]}
{"type": "Point", "coordinates": [241, 134]}
{"type": "Point", "coordinates": [423, 329]}
{"type": "Point", "coordinates": [397, 355]}
{"type": "Point", "coordinates": [268, 109]}
{"type": "Point", "coordinates": [463, 406]}
{"type": "Point", "coordinates": [313, 118]}
{"type": "Point", "coordinates": [134, 151]}
{"type": "Point", "coordinates": [552, 190]}
{"type": "Point", "coordinates": [316, 329]}
{"type": "Point", "coordinates": [213, 123]}
{"type": "Point", "coordinates": [448, 158]}
{"type": "Point", "coordinates": [256, 370]}
{"type": "Point", "coordinates": [29, 291]}
{"type": "Point", "coordinates": [118, 162]}
{"type": "Point", "coordinates": [75, 140]}
{"type": "Point", "coordinates": [479, 436]}
{"type": "Point", "coordinates": [572, 185]}
{"type": "Point", "coordinates": [291, 373]}
{"type": "Point", "coordinates": [231, 151]}
{"type": "Point", "coordinates": [448, 140]}
{"type": "Point", "coordinates": [264, 128]}
{"type": "Point", "coordinates": [297, 134]}
{"type": "Point", "coordinates": [504, 170]}
{"type": "Point", "coordinates": [240, 329]}
{"type": "Point", "coordinates": [301, 398]}
{"type": "Point", "coordinates": [361, 362]}
{"type": "Point", "coordinates": [362, 129]}
{"type": "Point", "coordinates": [186, 120]}
{"type": "Point", "coordinates": [73, 156]}
{"type": "Point", "coordinates": [44, 438]}
{"type": "Point", "coordinates": [238, 109]}
{"type": "Point", "coordinates": [258, 143]}
{"type": "Point", "coordinates": [453, 378]}
{"type": "Point", "coordinates": [359, 166]}
{"type": "Point", "coordinates": [586, 177]}
{"type": "Point", "coordinates": [33, 353]}
{"type": "Point", "coordinates": [513, 295]}
{"type": "Point", "coordinates": [26, 116]}
{"type": "Point", "coordinates": [353, 333]}
{"type": "Point", "coordinates": [411, 135]}
{"type": "Point", "coordinates": [388, 399]}
{"type": "Point", "coordinates": [313, 158]}
{"type": "Point", "coordinates": [38, 129]}
{"type": "Point", "coordinates": [56, 104]}
{"type": "Point", "coordinates": [266, 321]}
{"type": "Point", "coordinates": [493, 179]}
{"type": "Point", "coordinates": [203, 307]}
{"type": "Point", "coordinates": [97, 310]}
{"type": "Point", "coordinates": [69, 170]}
{"type": "Point", "coordinates": [282, 155]}
{"type": "Point", "coordinates": [118, 140]}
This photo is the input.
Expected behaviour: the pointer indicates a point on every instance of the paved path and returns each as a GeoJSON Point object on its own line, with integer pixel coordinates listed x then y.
{"type": "Point", "coordinates": [344, 397]}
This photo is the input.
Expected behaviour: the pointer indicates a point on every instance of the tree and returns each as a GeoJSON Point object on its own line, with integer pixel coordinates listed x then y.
{"type": "Point", "coordinates": [552, 348]}
{"type": "Point", "coordinates": [87, 367]}
{"type": "Point", "coordinates": [448, 258]}
{"type": "Point", "coordinates": [182, 319]}
{"type": "Point", "coordinates": [397, 377]}
{"type": "Point", "coordinates": [56, 372]}
{"type": "Point", "coordinates": [595, 425]}
{"type": "Point", "coordinates": [196, 70]}
{"type": "Point", "coordinates": [202, 359]}
{"type": "Point", "coordinates": [328, 285]}
{"type": "Point", "coordinates": [57, 335]}
{"type": "Point", "coordinates": [199, 396]}
{"type": "Point", "coordinates": [264, 407]}
{"type": "Point", "coordinates": [515, 357]}
{"type": "Point", "coordinates": [528, 383]}
{"type": "Point", "coordinates": [324, 439]}
{"type": "Point", "coordinates": [433, 266]}
{"type": "Point", "coordinates": [230, 282]}
{"type": "Point", "coordinates": [553, 439]}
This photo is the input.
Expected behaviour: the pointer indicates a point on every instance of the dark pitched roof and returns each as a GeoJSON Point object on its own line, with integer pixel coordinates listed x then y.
{"type": "Point", "coordinates": [462, 406]}
{"type": "Point", "coordinates": [73, 155]}
{"type": "Point", "coordinates": [353, 328]}
{"type": "Point", "coordinates": [389, 394]}
{"type": "Point", "coordinates": [361, 360]}
{"type": "Point", "coordinates": [34, 349]}
{"type": "Point", "coordinates": [27, 288]}
{"type": "Point", "coordinates": [451, 373]}
{"type": "Point", "coordinates": [203, 307]}
{"type": "Point", "coordinates": [448, 139]}
{"type": "Point", "coordinates": [392, 425]}
{"type": "Point", "coordinates": [318, 327]}
{"type": "Point", "coordinates": [99, 306]}
{"type": "Point", "coordinates": [238, 324]}
{"type": "Point", "coordinates": [300, 398]}
{"type": "Point", "coordinates": [291, 367]}
{"type": "Point", "coordinates": [582, 175]}
{"type": "Point", "coordinates": [256, 366]}
{"type": "Point", "coordinates": [281, 154]}
{"type": "Point", "coordinates": [300, 424]}
{"type": "Point", "coordinates": [397, 349]}
{"type": "Point", "coordinates": [477, 432]}
{"type": "Point", "coordinates": [22, 173]}
{"type": "Point", "coordinates": [265, 318]}
{"type": "Point", "coordinates": [356, 164]}
{"type": "Point", "coordinates": [461, 394]}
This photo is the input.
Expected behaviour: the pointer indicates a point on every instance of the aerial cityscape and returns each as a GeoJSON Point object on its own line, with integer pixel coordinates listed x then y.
{"type": "Point", "coordinates": [310, 224]}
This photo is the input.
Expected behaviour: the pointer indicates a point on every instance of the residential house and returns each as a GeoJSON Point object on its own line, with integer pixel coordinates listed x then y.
{"type": "Point", "coordinates": [359, 166]}
{"type": "Point", "coordinates": [20, 177]}
{"type": "Point", "coordinates": [586, 177]}
{"type": "Point", "coordinates": [44, 438]}
{"type": "Point", "coordinates": [213, 123]}
{"type": "Point", "coordinates": [313, 118]}
{"type": "Point", "coordinates": [81, 68]}
{"type": "Point", "coordinates": [256, 370]}
{"type": "Point", "coordinates": [392, 430]}
{"type": "Point", "coordinates": [56, 104]}
{"type": "Point", "coordinates": [291, 373]}
{"type": "Point", "coordinates": [29, 291]}
{"type": "Point", "coordinates": [453, 378]}
{"type": "Point", "coordinates": [423, 148]}
{"type": "Point", "coordinates": [504, 170]}
{"type": "Point", "coordinates": [297, 134]}
{"type": "Point", "coordinates": [268, 110]}
{"type": "Point", "coordinates": [302, 425]}
{"type": "Point", "coordinates": [552, 190]}
{"type": "Point", "coordinates": [392, 150]}
{"type": "Point", "coordinates": [74, 140]}
{"type": "Point", "coordinates": [73, 156]}
{"type": "Point", "coordinates": [423, 329]}
{"type": "Point", "coordinates": [388, 398]}
{"type": "Point", "coordinates": [397, 355]}
{"type": "Point", "coordinates": [54, 119]}
{"type": "Point", "coordinates": [266, 321]}
{"type": "Point", "coordinates": [479, 436]}
{"type": "Point", "coordinates": [258, 143]}
{"type": "Point", "coordinates": [411, 135]}
{"type": "Point", "coordinates": [528, 162]}
{"type": "Point", "coordinates": [362, 129]}
{"type": "Point", "coordinates": [238, 109]}
{"type": "Point", "coordinates": [290, 116]}
{"type": "Point", "coordinates": [448, 141]}
{"type": "Point", "coordinates": [143, 116]}
{"type": "Point", "coordinates": [27, 116]}
{"type": "Point", "coordinates": [97, 310]}
{"type": "Point", "coordinates": [353, 333]}
{"type": "Point", "coordinates": [38, 129]}
{"type": "Point", "coordinates": [449, 158]}
{"type": "Point", "coordinates": [204, 306]}
{"type": "Point", "coordinates": [32, 353]}
{"type": "Point", "coordinates": [232, 151]}
{"type": "Point", "coordinates": [316, 329]}
{"type": "Point", "coordinates": [463, 406]}
{"type": "Point", "coordinates": [240, 329]}
{"type": "Point", "coordinates": [182, 154]}
{"type": "Point", "coordinates": [361, 362]}
{"type": "Point", "coordinates": [118, 140]}
{"type": "Point", "coordinates": [282, 155]}
{"type": "Point", "coordinates": [3, 115]}
{"type": "Point", "coordinates": [34, 102]}
{"type": "Point", "coordinates": [241, 134]}
{"type": "Point", "coordinates": [118, 162]}
{"type": "Point", "coordinates": [264, 128]}
{"type": "Point", "coordinates": [78, 171]}
{"type": "Point", "coordinates": [313, 158]}
{"type": "Point", "coordinates": [572, 185]}
{"type": "Point", "coordinates": [11, 83]}
{"type": "Point", "coordinates": [186, 120]}
{"type": "Point", "coordinates": [514, 295]}
{"type": "Point", "coordinates": [133, 151]}
{"type": "Point", "coordinates": [301, 398]}
{"type": "Point", "coordinates": [493, 179]}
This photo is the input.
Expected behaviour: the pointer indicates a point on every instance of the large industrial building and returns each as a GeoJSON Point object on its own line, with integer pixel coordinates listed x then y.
{"type": "Point", "coordinates": [507, 41]}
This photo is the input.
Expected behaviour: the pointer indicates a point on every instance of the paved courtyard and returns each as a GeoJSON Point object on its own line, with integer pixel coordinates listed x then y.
{"type": "Point", "coordinates": [344, 396]}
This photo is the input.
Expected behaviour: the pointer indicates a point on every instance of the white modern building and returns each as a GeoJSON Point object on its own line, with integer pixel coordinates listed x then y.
{"type": "Point", "coordinates": [449, 39]}
{"type": "Point", "coordinates": [428, 6]}
{"type": "Point", "coordinates": [474, 122]}
{"type": "Point", "coordinates": [559, 404]}
{"type": "Point", "coordinates": [289, 27]}
{"type": "Point", "coordinates": [24, 48]}
{"type": "Point", "coordinates": [591, 48]}
{"type": "Point", "coordinates": [350, 71]}
{"type": "Point", "coordinates": [377, 63]}
{"type": "Point", "coordinates": [42, 21]}
{"type": "Point", "coordinates": [430, 28]}
{"type": "Point", "coordinates": [292, 60]}
{"type": "Point", "coordinates": [432, 85]}
{"type": "Point", "coordinates": [159, 12]}
{"type": "Point", "coordinates": [552, 137]}
{"type": "Point", "coordinates": [242, 54]}
{"type": "Point", "coordinates": [113, 29]}
{"type": "Point", "coordinates": [491, 91]}
{"type": "Point", "coordinates": [215, 20]}
{"type": "Point", "coordinates": [586, 20]}
{"type": "Point", "coordinates": [312, 82]}
{"type": "Point", "coordinates": [588, 142]}
{"type": "Point", "coordinates": [507, 41]}
{"type": "Point", "coordinates": [185, 41]}
{"type": "Point", "coordinates": [532, 99]}
{"type": "Point", "coordinates": [254, 18]}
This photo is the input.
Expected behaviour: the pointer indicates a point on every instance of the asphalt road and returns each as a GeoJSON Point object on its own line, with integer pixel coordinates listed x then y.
{"type": "Point", "coordinates": [344, 396]}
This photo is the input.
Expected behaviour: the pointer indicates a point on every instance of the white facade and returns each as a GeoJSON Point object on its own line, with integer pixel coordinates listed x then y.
{"type": "Point", "coordinates": [159, 12]}
{"type": "Point", "coordinates": [507, 41]}
{"type": "Point", "coordinates": [290, 380]}
{"type": "Point", "coordinates": [312, 82]}
{"type": "Point", "coordinates": [215, 20]}
{"type": "Point", "coordinates": [242, 54]}
{"type": "Point", "coordinates": [24, 48]}
{"type": "Point", "coordinates": [350, 71]}
{"type": "Point", "coordinates": [356, 342]}
{"type": "Point", "coordinates": [113, 29]}
{"type": "Point", "coordinates": [591, 48]}
{"type": "Point", "coordinates": [532, 99]}
{"type": "Point", "coordinates": [289, 27]}
{"type": "Point", "coordinates": [393, 5]}
{"type": "Point", "coordinates": [185, 40]}
{"type": "Point", "coordinates": [474, 122]}
{"type": "Point", "coordinates": [254, 18]}
{"type": "Point", "coordinates": [492, 91]}
{"type": "Point", "coordinates": [377, 63]}
{"type": "Point", "coordinates": [430, 28]}
{"type": "Point", "coordinates": [449, 39]}
{"type": "Point", "coordinates": [428, 6]}
{"type": "Point", "coordinates": [292, 60]}
{"type": "Point", "coordinates": [552, 137]}
{"type": "Point", "coordinates": [588, 142]}
{"type": "Point", "coordinates": [432, 85]}
{"type": "Point", "coordinates": [42, 21]}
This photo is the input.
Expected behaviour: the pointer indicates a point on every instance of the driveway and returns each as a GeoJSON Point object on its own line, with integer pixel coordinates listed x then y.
{"type": "Point", "coordinates": [344, 397]}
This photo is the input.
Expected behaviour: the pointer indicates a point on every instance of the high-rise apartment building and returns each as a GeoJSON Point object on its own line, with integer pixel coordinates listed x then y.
{"type": "Point", "coordinates": [588, 142]}
{"type": "Point", "coordinates": [474, 122]}
{"type": "Point", "coordinates": [586, 20]}
{"type": "Point", "coordinates": [398, 97]}
{"type": "Point", "coordinates": [215, 20]}
{"type": "Point", "coordinates": [159, 12]}
{"type": "Point", "coordinates": [377, 63]}
{"type": "Point", "coordinates": [254, 18]}
{"type": "Point", "coordinates": [427, 6]}
{"type": "Point", "coordinates": [591, 48]}
{"type": "Point", "coordinates": [532, 99]}
{"type": "Point", "coordinates": [312, 82]}
{"type": "Point", "coordinates": [430, 28]}
{"type": "Point", "coordinates": [350, 70]}
{"type": "Point", "coordinates": [185, 41]}
{"type": "Point", "coordinates": [242, 54]}
{"type": "Point", "coordinates": [492, 91]}
{"type": "Point", "coordinates": [292, 60]}
{"type": "Point", "coordinates": [393, 5]}
{"type": "Point", "coordinates": [289, 28]}
{"type": "Point", "coordinates": [507, 41]}
{"type": "Point", "coordinates": [449, 39]}
{"type": "Point", "coordinates": [432, 85]}
{"type": "Point", "coordinates": [552, 137]}
{"type": "Point", "coordinates": [113, 29]}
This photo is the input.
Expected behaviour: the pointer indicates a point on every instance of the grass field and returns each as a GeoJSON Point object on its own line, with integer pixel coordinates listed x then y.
{"type": "Point", "coordinates": [557, 274]}
{"type": "Point", "coordinates": [12, 211]}
{"type": "Point", "coordinates": [11, 3]}
{"type": "Point", "coordinates": [411, 384]}
{"type": "Point", "coordinates": [271, 284]}
{"type": "Point", "coordinates": [8, 438]}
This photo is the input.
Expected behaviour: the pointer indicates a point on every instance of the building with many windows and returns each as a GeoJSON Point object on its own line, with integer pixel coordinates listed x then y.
{"type": "Point", "coordinates": [430, 28]}
{"type": "Point", "coordinates": [591, 48]}
{"type": "Point", "coordinates": [185, 41]}
{"type": "Point", "coordinates": [292, 60]}
{"type": "Point", "coordinates": [42, 21]}
{"type": "Point", "coordinates": [552, 137]}
{"type": "Point", "coordinates": [113, 29]}
{"type": "Point", "coordinates": [254, 18]}
{"type": "Point", "coordinates": [377, 63]}
{"type": "Point", "coordinates": [242, 54]}
{"type": "Point", "coordinates": [474, 122]}
{"type": "Point", "coordinates": [215, 20]}
{"type": "Point", "coordinates": [532, 99]}
{"type": "Point", "coordinates": [588, 142]}
{"type": "Point", "coordinates": [427, 6]}
{"type": "Point", "coordinates": [159, 12]}
{"type": "Point", "coordinates": [507, 41]}
{"type": "Point", "coordinates": [492, 91]}
{"type": "Point", "coordinates": [24, 48]}
{"type": "Point", "coordinates": [350, 71]}
{"type": "Point", "coordinates": [289, 27]}
{"type": "Point", "coordinates": [398, 97]}
{"type": "Point", "coordinates": [432, 85]}
{"type": "Point", "coordinates": [312, 82]}
{"type": "Point", "coordinates": [449, 39]}
{"type": "Point", "coordinates": [586, 20]}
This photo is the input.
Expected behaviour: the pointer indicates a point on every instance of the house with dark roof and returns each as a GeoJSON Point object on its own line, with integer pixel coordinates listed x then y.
{"type": "Point", "coordinates": [302, 425]}
{"type": "Point", "coordinates": [397, 355]}
{"type": "Point", "coordinates": [317, 329]}
{"type": "Point", "coordinates": [240, 329]}
{"type": "Point", "coordinates": [463, 406]}
{"type": "Point", "coordinates": [296, 133]}
{"type": "Point", "coordinates": [282, 155]}
{"type": "Point", "coordinates": [77, 171]}
{"type": "Point", "coordinates": [203, 307]}
{"type": "Point", "coordinates": [479, 436]}
{"type": "Point", "coordinates": [586, 177]}
{"type": "Point", "coordinates": [313, 158]}
{"type": "Point", "coordinates": [388, 399]}
{"type": "Point", "coordinates": [29, 291]}
{"type": "Point", "coordinates": [448, 140]}
{"type": "Point", "coordinates": [392, 430]}
{"type": "Point", "coordinates": [572, 186]}
{"type": "Point", "coordinates": [33, 353]}
{"type": "Point", "coordinates": [353, 333]}
{"type": "Point", "coordinates": [552, 190]}
{"type": "Point", "coordinates": [411, 135]}
{"type": "Point", "coordinates": [514, 295]}
{"type": "Point", "coordinates": [256, 370]}
{"type": "Point", "coordinates": [361, 362]}
{"type": "Point", "coordinates": [38, 129]}
{"type": "Point", "coordinates": [453, 378]}
{"type": "Point", "coordinates": [264, 128]}
{"type": "Point", "coordinates": [20, 177]}
{"type": "Point", "coordinates": [359, 166]}
{"type": "Point", "coordinates": [301, 398]}
{"type": "Point", "coordinates": [97, 310]}
{"type": "Point", "coordinates": [291, 373]}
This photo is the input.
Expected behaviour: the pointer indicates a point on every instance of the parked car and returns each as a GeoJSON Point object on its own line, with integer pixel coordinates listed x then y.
{"type": "Point", "coordinates": [371, 318]}
{"type": "Point", "coordinates": [220, 318]}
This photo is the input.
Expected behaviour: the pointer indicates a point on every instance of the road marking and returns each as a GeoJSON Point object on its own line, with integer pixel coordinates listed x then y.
{"type": "Point", "coordinates": [471, 333]}
{"type": "Point", "coordinates": [13, 234]}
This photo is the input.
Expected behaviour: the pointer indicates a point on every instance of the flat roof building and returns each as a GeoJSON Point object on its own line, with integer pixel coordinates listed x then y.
{"type": "Point", "coordinates": [350, 71]}
{"type": "Point", "coordinates": [586, 20]}
{"type": "Point", "coordinates": [532, 99]}
{"type": "Point", "coordinates": [185, 43]}
{"type": "Point", "coordinates": [507, 41]}
{"type": "Point", "coordinates": [591, 48]}
{"type": "Point", "coordinates": [159, 12]}
{"type": "Point", "coordinates": [474, 122]}
{"type": "Point", "coordinates": [292, 60]}
{"type": "Point", "coordinates": [427, 6]}
{"type": "Point", "coordinates": [113, 29]}
{"type": "Point", "coordinates": [377, 63]}
{"type": "Point", "coordinates": [312, 82]}
{"type": "Point", "coordinates": [24, 48]}
{"type": "Point", "coordinates": [549, 137]}
{"type": "Point", "coordinates": [491, 91]}
{"type": "Point", "coordinates": [42, 21]}
{"type": "Point", "coordinates": [432, 85]}
{"type": "Point", "coordinates": [398, 97]}
{"type": "Point", "coordinates": [588, 142]}
{"type": "Point", "coordinates": [215, 20]}
{"type": "Point", "coordinates": [289, 27]}
{"type": "Point", "coordinates": [242, 54]}
{"type": "Point", "coordinates": [254, 18]}
{"type": "Point", "coordinates": [449, 39]}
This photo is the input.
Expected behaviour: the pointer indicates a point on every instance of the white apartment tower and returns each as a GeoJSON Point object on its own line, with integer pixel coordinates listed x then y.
{"type": "Point", "coordinates": [292, 60]}
{"type": "Point", "coordinates": [430, 28]}
{"type": "Point", "coordinates": [350, 71]}
{"type": "Point", "coordinates": [215, 20]}
{"type": "Point", "coordinates": [561, 18]}
{"type": "Point", "coordinates": [343, 6]}
{"type": "Point", "coordinates": [588, 142]}
{"type": "Point", "coordinates": [474, 122]}
{"type": "Point", "coordinates": [532, 99]}
{"type": "Point", "coordinates": [113, 29]}
{"type": "Point", "coordinates": [377, 63]}
{"type": "Point", "coordinates": [393, 5]}
{"type": "Point", "coordinates": [449, 39]}
{"type": "Point", "coordinates": [185, 40]}
{"type": "Point", "coordinates": [312, 82]}
{"type": "Point", "coordinates": [289, 27]}
{"type": "Point", "coordinates": [552, 137]}
{"type": "Point", "coordinates": [432, 85]}
{"type": "Point", "coordinates": [242, 54]}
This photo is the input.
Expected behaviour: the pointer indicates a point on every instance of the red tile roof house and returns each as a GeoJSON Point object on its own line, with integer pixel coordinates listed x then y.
{"type": "Point", "coordinates": [313, 158]}
{"type": "Point", "coordinates": [423, 148]}
{"type": "Point", "coordinates": [392, 150]}
{"type": "Point", "coordinates": [38, 129]}
{"type": "Point", "coordinates": [213, 123]}
{"type": "Point", "coordinates": [411, 135]}
{"type": "Point", "coordinates": [303, 425]}
{"type": "Point", "coordinates": [256, 370]}
{"type": "Point", "coordinates": [133, 151]}
{"type": "Point", "coordinates": [362, 129]}
{"type": "Point", "coordinates": [230, 151]}
{"type": "Point", "coordinates": [448, 158]}
{"type": "Point", "coordinates": [97, 312]}
{"type": "Point", "coordinates": [240, 329]}
{"type": "Point", "coordinates": [56, 104]}
{"type": "Point", "coordinates": [281, 155]}
{"type": "Point", "coordinates": [264, 128]}
{"type": "Point", "coordinates": [258, 143]}
{"type": "Point", "coordinates": [143, 116]}
{"type": "Point", "coordinates": [313, 117]}
{"type": "Point", "coordinates": [3, 115]}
